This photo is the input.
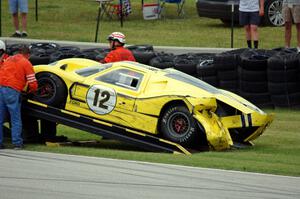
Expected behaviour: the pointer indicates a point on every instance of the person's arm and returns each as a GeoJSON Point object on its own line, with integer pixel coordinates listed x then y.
{"type": "Point", "coordinates": [110, 57]}
{"type": "Point", "coordinates": [261, 8]}
{"type": "Point", "coordinates": [132, 58]}
{"type": "Point", "coordinates": [33, 85]}
{"type": "Point", "coordinates": [30, 78]}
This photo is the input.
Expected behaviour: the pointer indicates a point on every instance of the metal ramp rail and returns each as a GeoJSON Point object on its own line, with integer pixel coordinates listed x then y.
{"type": "Point", "coordinates": [102, 128]}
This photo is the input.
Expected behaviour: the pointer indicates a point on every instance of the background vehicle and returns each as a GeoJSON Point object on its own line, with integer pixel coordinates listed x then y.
{"type": "Point", "coordinates": [221, 9]}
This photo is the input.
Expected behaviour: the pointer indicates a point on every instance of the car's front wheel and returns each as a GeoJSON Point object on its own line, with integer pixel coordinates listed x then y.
{"type": "Point", "coordinates": [178, 125]}
{"type": "Point", "coordinates": [51, 91]}
{"type": "Point", "coordinates": [273, 13]}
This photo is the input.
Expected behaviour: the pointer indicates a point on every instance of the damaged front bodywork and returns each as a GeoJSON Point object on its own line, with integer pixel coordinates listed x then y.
{"type": "Point", "coordinates": [226, 126]}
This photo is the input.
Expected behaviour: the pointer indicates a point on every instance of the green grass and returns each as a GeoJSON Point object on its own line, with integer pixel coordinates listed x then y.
{"type": "Point", "coordinates": [75, 20]}
{"type": "Point", "coordinates": [276, 151]}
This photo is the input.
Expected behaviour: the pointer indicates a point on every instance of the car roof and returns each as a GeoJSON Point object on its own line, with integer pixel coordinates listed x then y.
{"type": "Point", "coordinates": [136, 65]}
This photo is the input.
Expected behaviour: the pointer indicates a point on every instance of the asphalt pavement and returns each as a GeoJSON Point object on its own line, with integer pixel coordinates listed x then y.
{"type": "Point", "coordinates": [36, 175]}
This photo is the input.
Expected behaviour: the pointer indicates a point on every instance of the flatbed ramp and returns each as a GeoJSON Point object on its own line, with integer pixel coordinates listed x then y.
{"type": "Point", "coordinates": [102, 128]}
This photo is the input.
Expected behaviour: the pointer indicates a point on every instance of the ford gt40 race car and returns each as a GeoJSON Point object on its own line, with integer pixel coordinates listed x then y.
{"type": "Point", "coordinates": [164, 103]}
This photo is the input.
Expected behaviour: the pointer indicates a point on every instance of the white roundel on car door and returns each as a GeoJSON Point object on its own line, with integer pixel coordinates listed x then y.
{"type": "Point", "coordinates": [101, 99]}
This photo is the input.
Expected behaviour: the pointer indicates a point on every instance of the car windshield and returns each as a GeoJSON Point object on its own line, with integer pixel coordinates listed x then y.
{"type": "Point", "coordinates": [90, 70]}
{"type": "Point", "coordinates": [180, 76]}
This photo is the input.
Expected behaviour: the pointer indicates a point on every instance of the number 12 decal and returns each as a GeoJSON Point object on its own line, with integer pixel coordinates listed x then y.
{"type": "Point", "coordinates": [101, 100]}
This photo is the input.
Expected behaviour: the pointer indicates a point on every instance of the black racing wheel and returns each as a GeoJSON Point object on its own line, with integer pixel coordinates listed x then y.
{"type": "Point", "coordinates": [51, 91]}
{"type": "Point", "coordinates": [178, 125]}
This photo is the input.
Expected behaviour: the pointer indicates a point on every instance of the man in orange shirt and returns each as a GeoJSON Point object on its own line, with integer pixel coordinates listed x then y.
{"type": "Point", "coordinates": [118, 52]}
{"type": "Point", "coordinates": [15, 73]}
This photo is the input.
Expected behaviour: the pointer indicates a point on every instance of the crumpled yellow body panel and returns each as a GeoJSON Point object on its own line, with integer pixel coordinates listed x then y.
{"type": "Point", "coordinates": [217, 134]}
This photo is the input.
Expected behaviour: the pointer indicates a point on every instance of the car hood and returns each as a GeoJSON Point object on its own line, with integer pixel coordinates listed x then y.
{"type": "Point", "coordinates": [181, 84]}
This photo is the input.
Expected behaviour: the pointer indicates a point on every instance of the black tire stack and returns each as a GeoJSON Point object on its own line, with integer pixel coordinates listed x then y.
{"type": "Point", "coordinates": [65, 52]}
{"type": "Point", "coordinates": [186, 63]}
{"type": "Point", "coordinates": [253, 84]}
{"type": "Point", "coordinates": [40, 52]}
{"type": "Point", "coordinates": [162, 60]}
{"type": "Point", "coordinates": [47, 52]}
{"type": "Point", "coordinates": [227, 64]}
{"type": "Point", "coordinates": [284, 79]}
{"type": "Point", "coordinates": [206, 70]}
{"type": "Point", "coordinates": [142, 53]}
{"type": "Point", "coordinates": [96, 54]}
{"type": "Point", "coordinates": [12, 49]}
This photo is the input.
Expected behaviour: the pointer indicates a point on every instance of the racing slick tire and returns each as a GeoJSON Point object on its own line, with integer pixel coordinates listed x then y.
{"type": "Point", "coordinates": [291, 100]}
{"type": "Point", "coordinates": [226, 75]}
{"type": "Point", "coordinates": [230, 85]}
{"type": "Point", "coordinates": [225, 61]}
{"type": "Point", "coordinates": [178, 125]}
{"type": "Point", "coordinates": [13, 49]}
{"type": "Point", "coordinates": [51, 91]}
{"type": "Point", "coordinates": [252, 75]}
{"type": "Point", "coordinates": [279, 76]}
{"type": "Point", "coordinates": [281, 88]}
{"type": "Point", "coordinates": [186, 66]}
{"type": "Point", "coordinates": [43, 47]}
{"type": "Point", "coordinates": [142, 53]}
{"type": "Point", "coordinates": [38, 58]}
{"type": "Point", "coordinates": [257, 98]}
{"type": "Point", "coordinates": [282, 61]}
{"type": "Point", "coordinates": [255, 59]}
{"type": "Point", "coordinates": [162, 61]}
{"type": "Point", "coordinates": [143, 57]}
{"type": "Point", "coordinates": [212, 80]}
{"type": "Point", "coordinates": [254, 87]}
{"type": "Point", "coordinates": [206, 68]}
{"type": "Point", "coordinates": [64, 52]}
{"type": "Point", "coordinates": [142, 47]}
{"type": "Point", "coordinates": [96, 54]}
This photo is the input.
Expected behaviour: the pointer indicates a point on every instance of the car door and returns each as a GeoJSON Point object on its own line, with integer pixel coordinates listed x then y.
{"type": "Point", "coordinates": [110, 95]}
{"type": "Point", "coordinates": [125, 82]}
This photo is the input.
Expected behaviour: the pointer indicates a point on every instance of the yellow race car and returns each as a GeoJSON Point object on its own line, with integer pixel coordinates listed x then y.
{"type": "Point", "coordinates": [164, 103]}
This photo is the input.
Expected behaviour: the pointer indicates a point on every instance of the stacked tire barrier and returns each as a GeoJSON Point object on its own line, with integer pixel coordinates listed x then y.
{"type": "Point", "coordinates": [284, 79]}
{"type": "Point", "coordinates": [253, 81]}
{"type": "Point", "coordinates": [206, 70]}
{"type": "Point", "coordinates": [227, 70]}
{"type": "Point", "coordinates": [162, 60]}
{"type": "Point", "coordinates": [142, 53]}
{"type": "Point", "coordinates": [267, 78]}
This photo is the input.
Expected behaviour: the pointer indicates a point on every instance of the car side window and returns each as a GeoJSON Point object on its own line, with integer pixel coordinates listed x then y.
{"type": "Point", "coordinates": [85, 72]}
{"type": "Point", "coordinates": [122, 77]}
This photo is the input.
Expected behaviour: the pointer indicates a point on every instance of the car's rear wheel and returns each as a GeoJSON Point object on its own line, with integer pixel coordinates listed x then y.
{"type": "Point", "coordinates": [178, 125]}
{"type": "Point", "coordinates": [273, 13]}
{"type": "Point", "coordinates": [51, 91]}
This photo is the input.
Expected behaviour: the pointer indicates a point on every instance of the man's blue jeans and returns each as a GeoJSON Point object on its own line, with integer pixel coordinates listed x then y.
{"type": "Point", "coordinates": [10, 100]}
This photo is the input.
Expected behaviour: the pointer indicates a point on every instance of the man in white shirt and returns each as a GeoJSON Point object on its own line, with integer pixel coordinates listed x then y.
{"type": "Point", "coordinates": [291, 12]}
{"type": "Point", "coordinates": [249, 17]}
